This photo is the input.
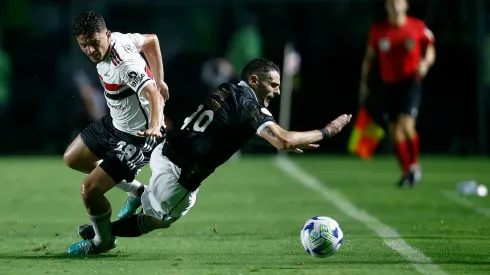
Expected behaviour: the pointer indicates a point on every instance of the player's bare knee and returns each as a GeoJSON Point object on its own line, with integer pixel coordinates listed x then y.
{"type": "Point", "coordinates": [90, 189]}
{"type": "Point", "coordinates": [69, 160]}
{"type": "Point", "coordinates": [76, 163]}
{"type": "Point", "coordinates": [408, 125]}
{"type": "Point", "coordinates": [398, 132]}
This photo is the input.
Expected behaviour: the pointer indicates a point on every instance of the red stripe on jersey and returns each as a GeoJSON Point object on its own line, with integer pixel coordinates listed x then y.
{"type": "Point", "coordinates": [148, 72]}
{"type": "Point", "coordinates": [111, 87]}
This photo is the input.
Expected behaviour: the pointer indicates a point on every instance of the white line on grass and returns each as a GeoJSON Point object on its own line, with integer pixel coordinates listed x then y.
{"type": "Point", "coordinates": [457, 198]}
{"type": "Point", "coordinates": [389, 235]}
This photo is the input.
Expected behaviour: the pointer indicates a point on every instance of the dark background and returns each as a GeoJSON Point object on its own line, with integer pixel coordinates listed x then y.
{"type": "Point", "coordinates": [45, 111]}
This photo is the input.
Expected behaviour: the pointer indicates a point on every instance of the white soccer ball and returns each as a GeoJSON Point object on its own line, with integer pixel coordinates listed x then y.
{"type": "Point", "coordinates": [321, 236]}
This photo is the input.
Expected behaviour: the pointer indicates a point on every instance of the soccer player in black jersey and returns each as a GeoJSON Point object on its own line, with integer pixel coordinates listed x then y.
{"type": "Point", "coordinates": [219, 127]}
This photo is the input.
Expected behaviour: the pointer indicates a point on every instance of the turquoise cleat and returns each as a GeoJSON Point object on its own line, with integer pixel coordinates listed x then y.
{"type": "Point", "coordinates": [129, 208]}
{"type": "Point", "coordinates": [87, 247]}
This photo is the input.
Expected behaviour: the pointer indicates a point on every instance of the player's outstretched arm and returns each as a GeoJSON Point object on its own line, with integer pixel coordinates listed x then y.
{"type": "Point", "coordinates": [291, 140]}
{"type": "Point", "coordinates": [156, 101]}
{"type": "Point", "coordinates": [151, 49]}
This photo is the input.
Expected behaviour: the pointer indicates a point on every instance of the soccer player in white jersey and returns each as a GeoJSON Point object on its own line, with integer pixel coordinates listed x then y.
{"type": "Point", "coordinates": [124, 139]}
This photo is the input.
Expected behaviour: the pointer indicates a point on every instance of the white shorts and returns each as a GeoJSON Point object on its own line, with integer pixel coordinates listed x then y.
{"type": "Point", "coordinates": [164, 198]}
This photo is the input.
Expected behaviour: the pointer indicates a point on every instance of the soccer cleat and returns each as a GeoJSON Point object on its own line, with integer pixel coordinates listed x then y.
{"type": "Point", "coordinates": [416, 172]}
{"type": "Point", "coordinates": [86, 231]}
{"type": "Point", "coordinates": [129, 208]}
{"type": "Point", "coordinates": [406, 181]}
{"type": "Point", "coordinates": [87, 247]}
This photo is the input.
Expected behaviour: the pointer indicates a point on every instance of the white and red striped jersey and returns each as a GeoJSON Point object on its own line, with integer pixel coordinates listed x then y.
{"type": "Point", "coordinates": [124, 75]}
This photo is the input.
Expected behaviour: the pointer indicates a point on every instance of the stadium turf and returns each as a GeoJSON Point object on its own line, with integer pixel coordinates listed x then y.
{"type": "Point", "coordinates": [248, 216]}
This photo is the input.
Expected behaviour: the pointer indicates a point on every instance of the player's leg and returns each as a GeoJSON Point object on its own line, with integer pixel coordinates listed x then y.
{"type": "Point", "coordinates": [121, 164]}
{"type": "Point", "coordinates": [393, 108]}
{"type": "Point", "coordinates": [164, 202]}
{"type": "Point", "coordinates": [135, 189]}
{"type": "Point", "coordinates": [408, 120]}
{"type": "Point", "coordinates": [92, 145]}
{"type": "Point", "coordinates": [401, 148]}
{"type": "Point", "coordinates": [79, 157]}
{"type": "Point", "coordinates": [95, 185]}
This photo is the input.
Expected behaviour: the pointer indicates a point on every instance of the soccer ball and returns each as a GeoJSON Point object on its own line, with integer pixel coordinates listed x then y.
{"type": "Point", "coordinates": [321, 236]}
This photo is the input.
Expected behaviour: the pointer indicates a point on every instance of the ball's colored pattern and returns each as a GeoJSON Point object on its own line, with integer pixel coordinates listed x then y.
{"type": "Point", "coordinates": [321, 236]}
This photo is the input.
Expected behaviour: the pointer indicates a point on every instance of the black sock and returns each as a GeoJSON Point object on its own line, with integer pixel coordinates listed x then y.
{"type": "Point", "coordinates": [132, 226]}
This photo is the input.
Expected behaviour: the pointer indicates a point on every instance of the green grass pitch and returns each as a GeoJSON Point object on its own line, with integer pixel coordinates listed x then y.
{"type": "Point", "coordinates": [247, 220]}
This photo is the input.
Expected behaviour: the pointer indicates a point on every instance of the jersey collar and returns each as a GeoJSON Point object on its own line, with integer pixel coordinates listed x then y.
{"type": "Point", "coordinates": [250, 90]}
{"type": "Point", "coordinates": [109, 56]}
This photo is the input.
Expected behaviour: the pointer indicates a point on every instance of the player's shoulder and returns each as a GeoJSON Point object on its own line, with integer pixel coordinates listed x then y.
{"type": "Point", "coordinates": [123, 47]}
{"type": "Point", "coordinates": [416, 22]}
{"type": "Point", "coordinates": [242, 92]}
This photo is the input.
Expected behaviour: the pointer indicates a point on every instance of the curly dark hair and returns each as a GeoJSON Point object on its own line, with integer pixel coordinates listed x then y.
{"type": "Point", "coordinates": [88, 23]}
{"type": "Point", "coordinates": [258, 65]}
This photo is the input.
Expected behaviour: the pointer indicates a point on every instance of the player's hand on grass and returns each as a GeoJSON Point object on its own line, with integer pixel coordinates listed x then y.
{"type": "Point", "coordinates": [163, 89]}
{"type": "Point", "coordinates": [336, 125]}
{"type": "Point", "coordinates": [151, 132]}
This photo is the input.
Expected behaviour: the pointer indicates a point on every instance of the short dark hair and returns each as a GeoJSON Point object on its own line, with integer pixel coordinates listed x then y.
{"type": "Point", "coordinates": [88, 23]}
{"type": "Point", "coordinates": [258, 65]}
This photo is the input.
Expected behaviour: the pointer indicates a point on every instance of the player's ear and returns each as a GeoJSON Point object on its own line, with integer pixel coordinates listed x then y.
{"type": "Point", "coordinates": [253, 81]}
{"type": "Point", "coordinates": [108, 33]}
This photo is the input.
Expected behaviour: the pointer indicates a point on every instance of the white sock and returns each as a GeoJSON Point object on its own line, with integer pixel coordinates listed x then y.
{"type": "Point", "coordinates": [102, 227]}
{"type": "Point", "coordinates": [130, 187]}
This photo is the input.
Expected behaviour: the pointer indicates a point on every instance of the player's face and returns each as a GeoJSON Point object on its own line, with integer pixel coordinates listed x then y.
{"type": "Point", "coordinates": [395, 7]}
{"type": "Point", "coordinates": [267, 86]}
{"type": "Point", "coordinates": [95, 46]}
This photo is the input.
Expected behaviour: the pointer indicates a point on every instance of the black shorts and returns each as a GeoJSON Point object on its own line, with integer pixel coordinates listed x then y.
{"type": "Point", "coordinates": [123, 154]}
{"type": "Point", "coordinates": [400, 98]}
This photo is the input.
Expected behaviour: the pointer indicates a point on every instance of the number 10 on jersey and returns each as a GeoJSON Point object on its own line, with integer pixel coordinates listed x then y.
{"type": "Point", "coordinates": [202, 121]}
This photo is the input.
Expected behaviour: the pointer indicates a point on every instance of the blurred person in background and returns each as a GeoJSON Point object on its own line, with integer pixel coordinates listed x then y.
{"type": "Point", "coordinates": [93, 97]}
{"type": "Point", "coordinates": [5, 74]}
{"type": "Point", "coordinates": [93, 105]}
{"type": "Point", "coordinates": [404, 48]}
{"type": "Point", "coordinates": [112, 150]}
{"type": "Point", "coordinates": [246, 42]}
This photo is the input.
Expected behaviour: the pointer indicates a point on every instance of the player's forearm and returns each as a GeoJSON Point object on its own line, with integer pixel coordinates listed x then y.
{"type": "Point", "coordinates": [292, 139]}
{"type": "Point", "coordinates": [430, 56]}
{"type": "Point", "coordinates": [256, 140]}
{"type": "Point", "coordinates": [156, 108]}
{"type": "Point", "coordinates": [154, 56]}
{"type": "Point", "coordinates": [365, 69]}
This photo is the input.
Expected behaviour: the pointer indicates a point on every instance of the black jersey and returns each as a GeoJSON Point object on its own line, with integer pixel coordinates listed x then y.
{"type": "Point", "coordinates": [225, 121]}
